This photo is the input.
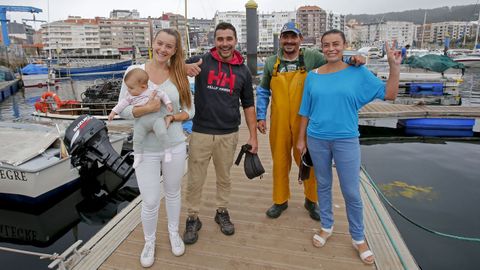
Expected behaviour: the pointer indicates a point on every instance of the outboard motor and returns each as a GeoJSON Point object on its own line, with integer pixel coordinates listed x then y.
{"type": "Point", "coordinates": [87, 142]}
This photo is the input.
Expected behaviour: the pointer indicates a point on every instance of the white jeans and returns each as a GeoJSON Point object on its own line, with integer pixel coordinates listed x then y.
{"type": "Point", "coordinates": [153, 187]}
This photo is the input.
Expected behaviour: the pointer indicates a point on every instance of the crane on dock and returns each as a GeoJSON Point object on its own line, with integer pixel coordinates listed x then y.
{"type": "Point", "coordinates": [3, 18]}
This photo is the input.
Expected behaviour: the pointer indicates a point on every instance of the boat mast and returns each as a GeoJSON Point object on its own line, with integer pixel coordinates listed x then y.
{"type": "Point", "coordinates": [49, 61]}
{"type": "Point", "coordinates": [187, 39]}
{"type": "Point", "coordinates": [476, 34]}
{"type": "Point", "coordinates": [423, 29]}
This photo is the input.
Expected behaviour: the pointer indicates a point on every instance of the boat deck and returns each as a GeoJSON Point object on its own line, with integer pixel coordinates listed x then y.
{"type": "Point", "coordinates": [259, 242]}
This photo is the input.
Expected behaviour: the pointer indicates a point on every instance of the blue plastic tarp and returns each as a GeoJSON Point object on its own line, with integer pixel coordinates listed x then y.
{"type": "Point", "coordinates": [32, 69]}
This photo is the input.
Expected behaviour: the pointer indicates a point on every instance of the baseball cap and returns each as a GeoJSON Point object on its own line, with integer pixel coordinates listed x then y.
{"type": "Point", "coordinates": [290, 27]}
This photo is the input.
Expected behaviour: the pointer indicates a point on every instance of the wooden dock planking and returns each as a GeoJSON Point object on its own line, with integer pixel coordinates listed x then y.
{"type": "Point", "coordinates": [259, 242]}
{"type": "Point", "coordinates": [389, 110]}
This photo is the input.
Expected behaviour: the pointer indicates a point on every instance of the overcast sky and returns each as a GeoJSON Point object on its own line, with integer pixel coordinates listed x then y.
{"type": "Point", "coordinates": [60, 9]}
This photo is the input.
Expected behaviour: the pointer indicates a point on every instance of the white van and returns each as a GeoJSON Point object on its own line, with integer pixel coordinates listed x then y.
{"type": "Point", "coordinates": [371, 52]}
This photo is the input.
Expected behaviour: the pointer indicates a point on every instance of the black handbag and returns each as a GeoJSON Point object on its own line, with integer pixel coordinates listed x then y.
{"type": "Point", "coordinates": [252, 165]}
{"type": "Point", "coordinates": [305, 165]}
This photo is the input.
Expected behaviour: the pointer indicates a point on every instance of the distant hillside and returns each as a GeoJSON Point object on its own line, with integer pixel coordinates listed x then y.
{"type": "Point", "coordinates": [442, 14]}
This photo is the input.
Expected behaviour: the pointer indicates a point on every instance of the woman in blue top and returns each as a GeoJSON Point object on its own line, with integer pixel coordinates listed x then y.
{"type": "Point", "coordinates": [333, 95]}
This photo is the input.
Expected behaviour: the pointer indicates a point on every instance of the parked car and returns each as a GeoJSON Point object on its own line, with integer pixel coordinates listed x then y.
{"type": "Point", "coordinates": [371, 52]}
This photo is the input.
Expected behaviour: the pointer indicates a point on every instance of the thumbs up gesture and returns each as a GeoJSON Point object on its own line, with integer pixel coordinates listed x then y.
{"type": "Point", "coordinates": [194, 68]}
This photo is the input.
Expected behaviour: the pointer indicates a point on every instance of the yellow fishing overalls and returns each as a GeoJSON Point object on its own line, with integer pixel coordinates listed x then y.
{"type": "Point", "coordinates": [287, 91]}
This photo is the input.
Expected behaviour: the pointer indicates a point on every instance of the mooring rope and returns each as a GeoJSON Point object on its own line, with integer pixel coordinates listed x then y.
{"type": "Point", "coordinates": [390, 237]}
{"type": "Point", "coordinates": [53, 256]}
{"type": "Point", "coordinates": [447, 235]}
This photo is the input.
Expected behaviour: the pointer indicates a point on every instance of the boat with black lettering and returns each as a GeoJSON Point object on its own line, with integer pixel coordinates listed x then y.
{"type": "Point", "coordinates": [36, 164]}
{"type": "Point", "coordinates": [43, 225]}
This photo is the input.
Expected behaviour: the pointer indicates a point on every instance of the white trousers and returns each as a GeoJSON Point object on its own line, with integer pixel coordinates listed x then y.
{"type": "Point", "coordinates": [153, 187]}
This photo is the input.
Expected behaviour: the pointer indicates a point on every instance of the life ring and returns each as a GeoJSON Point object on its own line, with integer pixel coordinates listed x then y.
{"type": "Point", "coordinates": [45, 103]}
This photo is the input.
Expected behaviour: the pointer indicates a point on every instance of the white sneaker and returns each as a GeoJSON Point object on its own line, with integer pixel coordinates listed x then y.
{"type": "Point", "coordinates": [148, 254]}
{"type": "Point", "coordinates": [137, 158]}
{"type": "Point", "coordinates": [178, 247]}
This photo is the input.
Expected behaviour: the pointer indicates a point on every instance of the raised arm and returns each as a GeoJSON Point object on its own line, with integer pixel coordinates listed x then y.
{"type": "Point", "coordinates": [394, 60]}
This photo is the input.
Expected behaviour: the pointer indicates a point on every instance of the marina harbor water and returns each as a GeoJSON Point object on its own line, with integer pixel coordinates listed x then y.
{"type": "Point", "coordinates": [69, 197]}
{"type": "Point", "coordinates": [83, 213]}
{"type": "Point", "coordinates": [435, 183]}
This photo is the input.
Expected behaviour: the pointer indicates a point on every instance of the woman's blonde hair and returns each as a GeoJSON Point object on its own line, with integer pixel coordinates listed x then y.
{"type": "Point", "coordinates": [177, 68]}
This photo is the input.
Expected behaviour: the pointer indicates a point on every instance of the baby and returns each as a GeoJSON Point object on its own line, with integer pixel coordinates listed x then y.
{"type": "Point", "coordinates": [138, 94]}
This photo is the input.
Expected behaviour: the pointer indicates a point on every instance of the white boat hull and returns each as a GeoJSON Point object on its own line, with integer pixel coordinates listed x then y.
{"type": "Point", "coordinates": [70, 117]}
{"type": "Point", "coordinates": [41, 177]}
{"type": "Point", "coordinates": [469, 62]}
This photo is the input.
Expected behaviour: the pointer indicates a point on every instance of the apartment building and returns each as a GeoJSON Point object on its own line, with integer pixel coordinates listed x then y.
{"type": "Point", "coordinates": [178, 22]}
{"type": "Point", "coordinates": [124, 14]}
{"type": "Point", "coordinates": [124, 34]}
{"type": "Point", "coordinates": [453, 30]}
{"type": "Point", "coordinates": [424, 35]}
{"type": "Point", "coordinates": [158, 24]}
{"type": "Point", "coordinates": [200, 32]}
{"type": "Point", "coordinates": [335, 21]}
{"type": "Point", "coordinates": [402, 32]}
{"type": "Point", "coordinates": [270, 24]}
{"type": "Point", "coordinates": [239, 20]}
{"type": "Point", "coordinates": [375, 34]}
{"type": "Point", "coordinates": [20, 33]}
{"type": "Point", "coordinates": [73, 35]}
{"type": "Point", "coordinates": [312, 22]}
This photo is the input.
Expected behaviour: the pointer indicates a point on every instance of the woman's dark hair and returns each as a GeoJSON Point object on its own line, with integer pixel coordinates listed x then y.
{"type": "Point", "coordinates": [225, 26]}
{"type": "Point", "coordinates": [334, 31]}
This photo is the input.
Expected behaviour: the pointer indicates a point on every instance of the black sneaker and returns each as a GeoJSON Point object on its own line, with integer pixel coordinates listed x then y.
{"type": "Point", "coordinates": [312, 208]}
{"type": "Point", "coordinates": [223, 219]}
{"type": "Point", "coordinates": [193, 225]}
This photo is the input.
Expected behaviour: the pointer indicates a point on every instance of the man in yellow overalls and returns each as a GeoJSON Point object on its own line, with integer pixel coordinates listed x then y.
{"type": "Point", "coordinates": [283, 79]}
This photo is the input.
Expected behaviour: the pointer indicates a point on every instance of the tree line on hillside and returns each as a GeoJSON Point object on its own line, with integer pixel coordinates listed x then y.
{"type": "Point", "coordinates": [441, 14]}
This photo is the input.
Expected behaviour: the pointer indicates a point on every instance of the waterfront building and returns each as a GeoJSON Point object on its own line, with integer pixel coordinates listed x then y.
{"type": "Point", "coordinates": [74, 35]}
{"type": "Point", "coordinates": [124, 14]}
{"type": "Point", "coordinates": [200, 32]}
{"type": "Point", "coordinates": [402, 32]}
{"type": "Point", "coordinates": [20, 33]}
{"type": "Point", "coordinates": [178, 22]}
{"type": "Point", "coordinates": [239, 20]}
{"type": "Point", "coordinates": [158, 24]}
{"type": "Point", "coordinates": [312, 22]}
{"type": "Point", "coordinates": [124, 34]}
{"type": "Point", "coordinates": [270, 24]}
{"type": "Point", "coordinates": [375, 34]}
{"type": "Point", "coordinates": [424, 35]}
{"type": "Point", "coordinates": [335, 21]}
{"type": "Point", "coordinates": [434, 34]}
{"type": "Point", "coordinates": [454, 30]}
